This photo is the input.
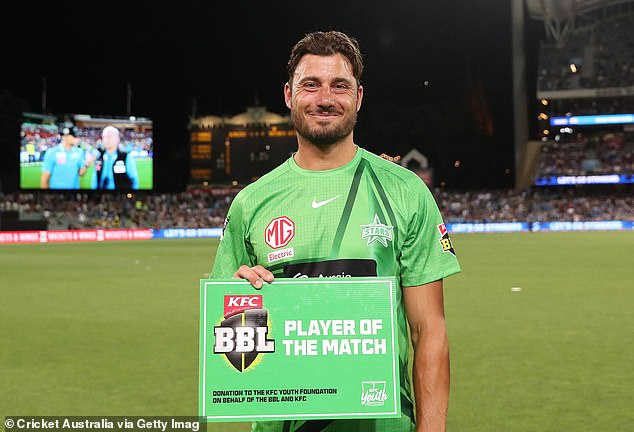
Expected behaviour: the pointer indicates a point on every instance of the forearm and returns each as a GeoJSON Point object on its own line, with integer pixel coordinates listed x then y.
{"type": "Point", "coordinates": [431, 379]}
{"type": "Point", "coordinates": [44, 180]}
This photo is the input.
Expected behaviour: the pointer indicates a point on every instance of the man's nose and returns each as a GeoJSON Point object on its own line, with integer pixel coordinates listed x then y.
{"type": "Point", "coordinates": [324, 96]}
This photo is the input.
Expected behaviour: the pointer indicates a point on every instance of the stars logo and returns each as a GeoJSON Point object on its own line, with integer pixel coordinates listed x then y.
{"type": "Point", "coordinates": [376, 231]}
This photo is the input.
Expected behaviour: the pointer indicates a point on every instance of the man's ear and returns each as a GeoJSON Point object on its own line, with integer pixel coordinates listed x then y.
{"type": "Point", "coordinates": [359, 97]}
{"type": "Point", "coordinates": [287, 95]}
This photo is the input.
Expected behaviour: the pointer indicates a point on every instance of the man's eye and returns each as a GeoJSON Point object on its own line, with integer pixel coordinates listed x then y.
{"type": "Point", "coordinates": [310, 85]}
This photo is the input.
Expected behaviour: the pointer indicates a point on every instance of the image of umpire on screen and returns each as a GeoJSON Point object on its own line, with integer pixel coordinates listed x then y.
{"type": "Point", "coordinates": [114, 168]}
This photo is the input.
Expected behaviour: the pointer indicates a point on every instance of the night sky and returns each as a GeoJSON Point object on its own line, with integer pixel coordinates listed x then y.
{"type": "Point", "coordinates": [225, 54]}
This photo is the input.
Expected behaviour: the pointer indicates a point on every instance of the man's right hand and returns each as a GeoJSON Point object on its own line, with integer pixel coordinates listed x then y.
{"type": "Point", "coordinates": [255, 275]}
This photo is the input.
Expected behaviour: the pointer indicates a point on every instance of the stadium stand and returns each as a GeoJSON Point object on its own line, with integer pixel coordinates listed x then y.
{"type": "Point", "coordinates": [586, 68]}
{"type": "Point", "coordinates": [206, 210]}
{"type": "Point", "coordinates": [83, 211]}
{"type": "Point", "coordinates": [535, 205]}
{"type": "Point", "coordinates": [593, 57]}
{"type": "Point", "coordinates": [591, 153]}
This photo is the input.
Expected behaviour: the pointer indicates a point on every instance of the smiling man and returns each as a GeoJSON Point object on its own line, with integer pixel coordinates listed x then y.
{"type": "Point", "coordinates": [335, 210]}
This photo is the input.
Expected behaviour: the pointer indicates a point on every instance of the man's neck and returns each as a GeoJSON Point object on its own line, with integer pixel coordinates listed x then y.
{"type": "Point", "coordinates": [316, 158]}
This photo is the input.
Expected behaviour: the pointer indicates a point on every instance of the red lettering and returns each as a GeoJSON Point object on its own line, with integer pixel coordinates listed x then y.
{"type": "Point", "coordinates": [237, 304]}
{"type": "Point", "coordinates": [279, 232]}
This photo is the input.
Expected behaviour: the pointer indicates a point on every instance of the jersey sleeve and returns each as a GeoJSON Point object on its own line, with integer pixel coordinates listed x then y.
{"type": "Point", "coordinates": [132, 171]}
{"type": "Point", "coordinates": [49, 159]}
{"type": "Point", "coordinates": [233, 250]}
{"type": "Point", "coordinates": [427, 254]}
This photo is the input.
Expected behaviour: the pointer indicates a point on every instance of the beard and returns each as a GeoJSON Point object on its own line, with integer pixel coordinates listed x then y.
{"type": "Point", "coordinates": [324, 136]}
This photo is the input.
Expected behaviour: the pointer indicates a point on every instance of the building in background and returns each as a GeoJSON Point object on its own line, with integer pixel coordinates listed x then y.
{"type": "Point", "coordinates": [239, 148]}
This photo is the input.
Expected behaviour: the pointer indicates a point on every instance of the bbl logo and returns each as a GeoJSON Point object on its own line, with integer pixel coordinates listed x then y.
{"type": "Point", "coordinates": [242, 335]}
{"type": "Point", "coordinates": [445, 242]}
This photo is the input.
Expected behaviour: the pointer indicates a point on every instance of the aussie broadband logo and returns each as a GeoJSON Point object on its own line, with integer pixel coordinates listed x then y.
{"type": "Point", "coordinates": [373, 393]}
{"type": "Point", "coordinates": [376, 231]}
{"type": "Point", "coordinates": [242, 335]}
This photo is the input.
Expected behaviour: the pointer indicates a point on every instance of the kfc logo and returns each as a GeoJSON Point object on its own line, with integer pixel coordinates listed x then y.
{"type": "Point", "coordinates": [279, 232]}
{"type": "Point", "coordinates": [236, 304]}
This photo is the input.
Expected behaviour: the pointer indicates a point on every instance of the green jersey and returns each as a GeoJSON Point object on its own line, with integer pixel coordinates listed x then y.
{"type": "Point", "coordinates": [369, 217]}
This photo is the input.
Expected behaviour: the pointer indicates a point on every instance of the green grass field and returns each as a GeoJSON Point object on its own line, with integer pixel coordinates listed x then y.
{"type": "Point", "coordinates": [112, 329]}
{"type": "Point", "coordinates": [30, 174]}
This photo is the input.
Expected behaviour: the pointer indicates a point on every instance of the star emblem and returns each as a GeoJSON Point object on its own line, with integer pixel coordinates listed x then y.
{"type": "Point", "coordinates": [376, 231]}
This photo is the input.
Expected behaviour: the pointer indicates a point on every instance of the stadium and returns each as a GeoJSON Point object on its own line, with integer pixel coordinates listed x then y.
{"type": "Point", "coordinates": [99, 289]}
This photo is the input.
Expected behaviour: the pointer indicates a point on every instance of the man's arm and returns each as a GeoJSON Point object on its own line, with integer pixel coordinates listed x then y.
{"type": "Point", "coordinates": [131, 169]}
{"type": "Point", "coordinates": [45, 179]}
{"type": "Point", "coordinates": [425, 311]}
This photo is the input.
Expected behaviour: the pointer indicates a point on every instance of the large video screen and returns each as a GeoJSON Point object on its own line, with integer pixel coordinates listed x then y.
{"type": "Point", "coordinates": [79, 151]}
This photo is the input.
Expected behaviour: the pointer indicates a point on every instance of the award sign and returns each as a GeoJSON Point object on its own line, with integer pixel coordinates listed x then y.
{"type": "Point", "coordinates": [306, 348]}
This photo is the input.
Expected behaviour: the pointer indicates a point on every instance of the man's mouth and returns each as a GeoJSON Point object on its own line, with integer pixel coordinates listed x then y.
{"type": "Point", "coordinates": [323, 114]}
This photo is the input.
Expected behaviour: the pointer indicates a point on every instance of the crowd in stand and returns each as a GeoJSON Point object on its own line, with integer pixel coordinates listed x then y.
{"type": "Point", "coordinates": [83, 211]}
{"type": "Point", "coordinates": [592, 58]}
{"type": "Point", "coordinates": [587, 154]}
{"type": "Point", "coordinates": [207, 209]}
{"type": "Point", "coordinates": [591, 106]}
{"type": "Point", "coordinates": [533, 206]}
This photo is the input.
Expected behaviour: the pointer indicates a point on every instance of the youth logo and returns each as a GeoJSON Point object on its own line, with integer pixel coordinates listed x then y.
{"type": "Point", "coordinates": [373, 393]}
{"type": "Point", "coordinates": [242, 335]}
{"type": "Point", "coordinates": [279, 232]}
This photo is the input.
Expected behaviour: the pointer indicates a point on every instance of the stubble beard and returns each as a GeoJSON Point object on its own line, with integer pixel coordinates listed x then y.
{"type": "Point", "coordinates": [324, 136]}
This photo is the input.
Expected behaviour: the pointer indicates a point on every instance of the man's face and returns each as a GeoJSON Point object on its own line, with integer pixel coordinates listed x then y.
{"type": "Point", "coordinates": [324, 99]}
{"type": "Point", "coordinates": [69, 140]}
{"type": "Point", "coordinates": [110, 139]}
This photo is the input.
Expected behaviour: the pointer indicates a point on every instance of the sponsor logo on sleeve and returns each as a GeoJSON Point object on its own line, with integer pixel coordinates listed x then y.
{"type": "Point", "coordinates": [445, 242]}
{"type": "Point", "coordinates": [243, 334]}
{"type": "Point", "coordinates": [224, 227]}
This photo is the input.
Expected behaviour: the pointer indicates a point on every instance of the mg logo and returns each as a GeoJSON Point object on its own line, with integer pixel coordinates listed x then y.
{"type": "Point", "coordinates": [279, 232]}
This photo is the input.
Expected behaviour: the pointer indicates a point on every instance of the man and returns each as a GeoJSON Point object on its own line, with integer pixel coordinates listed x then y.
{"type": "Point", "coordinates": [64, 163]}
{"type": "Point", "coordinates": [352, 213]}
{"type": "Point", "coordinates": [114, 168]}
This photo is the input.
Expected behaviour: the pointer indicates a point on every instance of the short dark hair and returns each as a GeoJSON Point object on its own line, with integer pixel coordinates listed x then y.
{"type": "Point", "coordinates": [327, 44]}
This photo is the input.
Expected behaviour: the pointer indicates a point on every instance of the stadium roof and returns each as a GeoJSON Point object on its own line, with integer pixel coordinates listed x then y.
{"type": "Point", "coordinates": [563, 9]}
{"type": "Point", "coordinates": [562, 16]}
{"type": "Point", "coordinates": [253, 115]}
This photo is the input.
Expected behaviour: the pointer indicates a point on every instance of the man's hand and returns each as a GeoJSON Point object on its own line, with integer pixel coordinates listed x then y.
{"type": "Point", "coordinates": [89, 160]}
{"type": "Point", "coordinates": [255, 275]}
